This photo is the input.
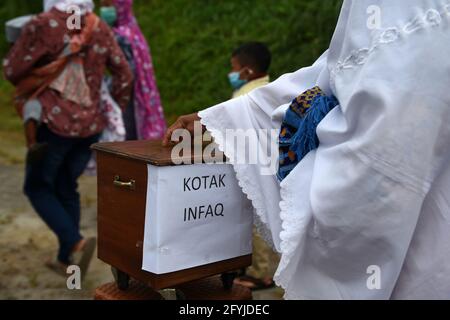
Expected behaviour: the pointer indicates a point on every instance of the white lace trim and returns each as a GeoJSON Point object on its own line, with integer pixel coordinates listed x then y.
{"type": "Point", "coordinates": [215, 125]}
{"type": "Point", "coordinates": [432, 18]}
{"type": "Point", "coordinates": [290, 227]}
{"type": "Point", "coordinates": [295, 225]}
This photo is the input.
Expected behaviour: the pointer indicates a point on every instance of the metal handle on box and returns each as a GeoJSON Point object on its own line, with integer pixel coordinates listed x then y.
{"type": "Point", "coordinates": [128, 185]}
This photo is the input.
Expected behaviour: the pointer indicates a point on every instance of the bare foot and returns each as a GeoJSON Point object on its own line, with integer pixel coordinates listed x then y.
{"type": "Point", "coordinates": [79, 245]}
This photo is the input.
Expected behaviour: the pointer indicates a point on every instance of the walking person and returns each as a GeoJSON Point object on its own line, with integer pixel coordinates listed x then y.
{"type": "Point", "coordinates": [62, 69]}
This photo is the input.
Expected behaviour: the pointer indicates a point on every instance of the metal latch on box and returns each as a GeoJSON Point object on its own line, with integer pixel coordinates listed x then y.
{"type": "Point", "coordinates": [121, 184]}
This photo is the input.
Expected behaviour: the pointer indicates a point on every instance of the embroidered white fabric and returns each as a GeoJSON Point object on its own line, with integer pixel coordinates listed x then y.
{"type": "Point", "coordinates": [380, 200]}
{"type": "Point", "coordinates": [431, 18]}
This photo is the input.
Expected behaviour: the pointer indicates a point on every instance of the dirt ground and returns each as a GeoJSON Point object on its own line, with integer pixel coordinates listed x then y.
{"type": "Point", "coordinates": [26, 242]}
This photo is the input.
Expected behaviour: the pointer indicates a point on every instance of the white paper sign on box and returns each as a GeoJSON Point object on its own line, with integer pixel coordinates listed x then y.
{"type": "Point", "coordinates": [195, 215]}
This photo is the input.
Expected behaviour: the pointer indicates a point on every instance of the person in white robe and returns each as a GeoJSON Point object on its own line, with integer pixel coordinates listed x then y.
{"type": "Point", "coordinates": [367, 214]}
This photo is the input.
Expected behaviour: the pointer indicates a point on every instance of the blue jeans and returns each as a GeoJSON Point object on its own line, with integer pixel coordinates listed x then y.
{"type": "Point", "coordinates": [51, 186]}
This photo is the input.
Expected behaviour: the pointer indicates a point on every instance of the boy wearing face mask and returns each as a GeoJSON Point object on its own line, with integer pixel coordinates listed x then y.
{"type": "Point", "coordinates": [250, 65]}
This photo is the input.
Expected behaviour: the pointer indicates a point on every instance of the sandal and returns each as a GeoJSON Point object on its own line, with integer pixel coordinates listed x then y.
{"type": "Point", "coordinates": [57, 267]}
{"type": "Point", "coordinates": [83, 257]}
{"type": "Point", "coordinates": [253, 283]}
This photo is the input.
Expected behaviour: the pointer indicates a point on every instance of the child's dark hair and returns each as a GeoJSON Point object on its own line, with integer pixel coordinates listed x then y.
{"type": "Point", "coordinates": [254, 54]}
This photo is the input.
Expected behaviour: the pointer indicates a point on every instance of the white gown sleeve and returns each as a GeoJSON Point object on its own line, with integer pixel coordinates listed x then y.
{"type": "Point", "coordinates": [262, 109]}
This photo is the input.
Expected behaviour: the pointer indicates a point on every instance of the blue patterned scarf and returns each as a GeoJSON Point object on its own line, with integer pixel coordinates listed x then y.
{"type": "Point", "coordinates": [298, 130]}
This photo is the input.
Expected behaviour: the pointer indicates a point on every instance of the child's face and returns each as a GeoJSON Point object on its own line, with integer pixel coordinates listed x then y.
{"type": "Point", "coordinates": [236, 66]}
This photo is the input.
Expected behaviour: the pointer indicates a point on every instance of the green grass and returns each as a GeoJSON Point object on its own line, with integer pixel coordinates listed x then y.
{"type": "Point", "coordinates": [192, 40]}
{"type": "Point", "coordinates": [9, 121]}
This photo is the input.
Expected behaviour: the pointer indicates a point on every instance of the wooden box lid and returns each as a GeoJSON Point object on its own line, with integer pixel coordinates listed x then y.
{"type": "Point", "coordinates": [154, 153]}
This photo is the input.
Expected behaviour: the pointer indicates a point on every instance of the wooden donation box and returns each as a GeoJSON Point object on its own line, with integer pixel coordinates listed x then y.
{"type": "Point", "coordinates": [166, 224]}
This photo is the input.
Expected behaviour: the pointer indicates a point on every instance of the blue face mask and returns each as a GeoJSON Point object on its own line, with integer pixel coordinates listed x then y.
{"type": "Point", "coordinates": [109, 15]}
{"type": "Point", "coordinates": [235, 82]}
